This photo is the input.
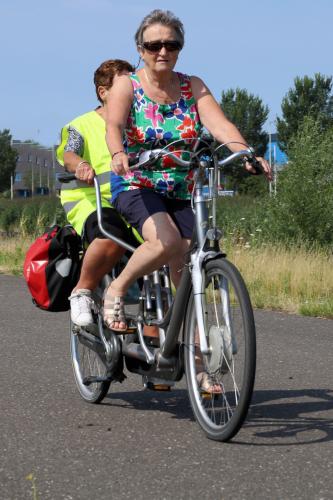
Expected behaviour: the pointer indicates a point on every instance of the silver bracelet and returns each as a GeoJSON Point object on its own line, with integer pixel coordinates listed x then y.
{"type": "Point", "coordinates": [81, 162]}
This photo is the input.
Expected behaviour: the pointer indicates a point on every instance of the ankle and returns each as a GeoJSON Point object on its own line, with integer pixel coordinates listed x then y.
{"type": "Point", "coordinates": [85, 290]}
{"type": "Point", "coordinates": [114, 291]}
{"type": "Point", "coordinates": [84, 285]}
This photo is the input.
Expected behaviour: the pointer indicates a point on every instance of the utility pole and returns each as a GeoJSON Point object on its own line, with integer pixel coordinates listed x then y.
{"type": "Point", "coordinates": [48, 176]}
{"type": "Point", "coordinates": [40, 173]}
{"type": "Point", "coordinates": [270, 161]}
{"type": "Point", "coordinates": [275, 170]}
{"type": "Point", "coordinates": [53, 169]}
{"type": "Point", "coordinates": [32, 175]}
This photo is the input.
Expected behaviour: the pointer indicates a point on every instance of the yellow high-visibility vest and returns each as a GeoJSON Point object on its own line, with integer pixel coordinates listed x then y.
{"type": "Point", "coordinates": [77, 198]}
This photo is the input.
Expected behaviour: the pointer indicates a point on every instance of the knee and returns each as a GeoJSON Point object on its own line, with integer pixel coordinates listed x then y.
{"type": "Point", "coordinates": [169, 245]}
{"type": "Point", "coordinates": [109, 249]}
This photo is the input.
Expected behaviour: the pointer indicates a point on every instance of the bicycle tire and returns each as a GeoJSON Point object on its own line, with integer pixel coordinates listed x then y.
{"type": "Point", "coordinates": [232, 362]}
{"type": "Point", "coordinates": [86, 362]}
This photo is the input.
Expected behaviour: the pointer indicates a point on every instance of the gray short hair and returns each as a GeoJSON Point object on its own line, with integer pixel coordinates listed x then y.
{"type": "Point", "coordinates": [164, 17]}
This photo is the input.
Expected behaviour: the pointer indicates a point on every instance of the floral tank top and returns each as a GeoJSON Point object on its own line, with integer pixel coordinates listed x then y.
{"type": "Point", "coordinates": [151, 126]}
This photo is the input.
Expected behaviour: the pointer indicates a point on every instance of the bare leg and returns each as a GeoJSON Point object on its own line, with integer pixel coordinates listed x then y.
{"type": "Point", "coordinates": [100, 257]}
{"type": "Point", "coordinates": [162, 243]}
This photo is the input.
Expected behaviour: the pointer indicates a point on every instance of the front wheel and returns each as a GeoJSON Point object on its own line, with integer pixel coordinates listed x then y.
{"type": "Point", "coordinates": [220, 384]}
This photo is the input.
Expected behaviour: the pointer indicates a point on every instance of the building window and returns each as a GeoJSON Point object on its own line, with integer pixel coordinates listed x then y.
{"type": "Point", "coordinates": [18, 177]}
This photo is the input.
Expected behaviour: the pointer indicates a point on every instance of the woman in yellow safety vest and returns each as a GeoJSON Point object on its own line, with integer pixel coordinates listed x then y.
{"type": "Point", "coordinates": [83, 151]}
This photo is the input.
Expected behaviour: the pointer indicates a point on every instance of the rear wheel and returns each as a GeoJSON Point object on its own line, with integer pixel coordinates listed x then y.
{"type": "Point", "coordinates": [220, 384]}
{"type": "Point", "coordinates": [88, 360]}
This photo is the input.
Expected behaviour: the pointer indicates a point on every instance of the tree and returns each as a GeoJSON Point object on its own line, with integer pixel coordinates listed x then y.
{"type": "Point", "coordinates": [249, 114]}
{"type": "Point", "coordinates": [309, 97]}
{"type": "Point", "coordinates": [303, 207]}
{"type": "Point", "coordinates": [8, 159]}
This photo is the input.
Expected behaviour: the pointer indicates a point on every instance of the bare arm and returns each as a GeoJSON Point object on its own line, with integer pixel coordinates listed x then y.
{"type": "Point", "coordinates": [213, 118]}
{"type": "Point", "coordinates": [117, 110]}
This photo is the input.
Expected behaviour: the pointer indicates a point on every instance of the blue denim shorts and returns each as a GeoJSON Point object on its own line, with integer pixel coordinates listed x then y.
{"type": "Point", "coordinates": [137, 205]}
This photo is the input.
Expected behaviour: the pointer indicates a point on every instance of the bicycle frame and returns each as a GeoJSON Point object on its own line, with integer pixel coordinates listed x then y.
{"type": "Point", "coordinates": [206, 332]}
{"type": "Point", "coordinates": [170, 325]}
{"type": "Point", "coordinates": [204, 247]}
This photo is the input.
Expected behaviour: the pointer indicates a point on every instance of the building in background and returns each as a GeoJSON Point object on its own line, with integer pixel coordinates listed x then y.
{"type": "Point", "coordinates": [36, 172]}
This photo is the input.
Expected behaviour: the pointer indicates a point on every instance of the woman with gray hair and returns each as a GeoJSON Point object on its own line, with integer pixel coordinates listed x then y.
{"type": "Point", "coordinates": [157, 105]}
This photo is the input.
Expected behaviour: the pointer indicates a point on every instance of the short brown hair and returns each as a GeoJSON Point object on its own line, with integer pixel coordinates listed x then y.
{"type": "Point", "coordinates": [104, 74]}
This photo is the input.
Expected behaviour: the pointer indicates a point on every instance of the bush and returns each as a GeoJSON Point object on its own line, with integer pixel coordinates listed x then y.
{"type": "Point", "coordinates": [303, 207]}
{"type": "Point", "coordinates": [30, 217]}
{"type": "Point", "coordinates": [9, 217]}
{"type": "Point", "coordinates": [243, 220]}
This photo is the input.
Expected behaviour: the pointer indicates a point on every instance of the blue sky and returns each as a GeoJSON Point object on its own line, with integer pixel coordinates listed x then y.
{"type": "Point", "coordinates": [50, 49]}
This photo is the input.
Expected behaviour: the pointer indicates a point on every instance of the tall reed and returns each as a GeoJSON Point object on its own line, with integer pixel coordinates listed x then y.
{"type": "Point", "coordinates": [12, 254]}
{"type": "Point", "coordinates": [290, 279]}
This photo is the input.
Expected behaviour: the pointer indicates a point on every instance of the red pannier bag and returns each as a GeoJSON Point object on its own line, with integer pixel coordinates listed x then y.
{"type": "Point", "coordinates": [52, 267]}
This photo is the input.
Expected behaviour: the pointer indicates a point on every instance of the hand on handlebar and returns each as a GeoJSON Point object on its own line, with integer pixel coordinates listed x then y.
{"type": "Point", "coordinates": [262, 165]}
{"type": "Point", "coordinates": [85, 173]}
{"type": "Point", "coordinates": [119, 164]}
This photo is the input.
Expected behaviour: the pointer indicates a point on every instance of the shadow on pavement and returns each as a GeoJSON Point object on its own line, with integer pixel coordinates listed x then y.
{"type": "Point", "coordinates": [175, 402]}
{"type": "Point", "coordinates": [279, 418]}
{"type": "Point", "coordinates": [285, 417]}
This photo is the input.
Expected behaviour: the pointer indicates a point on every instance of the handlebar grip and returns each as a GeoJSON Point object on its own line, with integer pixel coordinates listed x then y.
{"type": "Point", "coordinates": [133, 161]}
{"type": "Point", "coordinates": [66, 177]}
{"type": "Point", "coordinates": [256, 165]}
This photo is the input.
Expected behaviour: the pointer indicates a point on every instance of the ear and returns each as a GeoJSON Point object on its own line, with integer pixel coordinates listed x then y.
{"type": "Point", "coordinates": [102, 92]}
{"type": "Point", "coordinates": [140, 52]}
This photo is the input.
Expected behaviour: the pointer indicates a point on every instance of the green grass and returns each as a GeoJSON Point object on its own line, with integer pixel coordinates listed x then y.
{"type": "Point", "coordinates": [294, 279]}
{"type": "Point", "coordinates": [12, 254]}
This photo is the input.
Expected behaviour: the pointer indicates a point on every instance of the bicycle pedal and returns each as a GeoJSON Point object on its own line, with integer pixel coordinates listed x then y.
{"type": "Point", "coordinates": [155, 384]}
{"type": "Point", "coordinates": [130, 330]}
{"type": "Point", "coordinates": [158, 387]}
{"type": "Point", "coordinates": [207, 395]}
{"type": "Point", "coordinates": [210, 395]}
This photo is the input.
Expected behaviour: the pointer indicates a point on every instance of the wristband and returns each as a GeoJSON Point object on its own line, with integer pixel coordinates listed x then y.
{"type": "Point", "coordinates": [117, 152]}
{"type": "Point", "coordinates": [81, 163]}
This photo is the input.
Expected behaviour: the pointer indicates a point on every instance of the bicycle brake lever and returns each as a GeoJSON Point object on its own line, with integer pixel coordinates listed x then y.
{"type": "Point", "coordinates": [145, 159]}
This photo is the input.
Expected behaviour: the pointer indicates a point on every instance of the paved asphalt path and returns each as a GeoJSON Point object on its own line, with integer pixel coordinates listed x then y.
{"type": "Point", "coordinates": [144, 445]}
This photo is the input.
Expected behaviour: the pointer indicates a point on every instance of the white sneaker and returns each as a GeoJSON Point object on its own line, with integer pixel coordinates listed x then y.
{"type": "Point", "coordinates": [81, 306]}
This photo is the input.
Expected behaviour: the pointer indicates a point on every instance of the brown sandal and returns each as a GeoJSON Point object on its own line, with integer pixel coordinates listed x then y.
{"type": "Point", "coordinates": [114, 312]}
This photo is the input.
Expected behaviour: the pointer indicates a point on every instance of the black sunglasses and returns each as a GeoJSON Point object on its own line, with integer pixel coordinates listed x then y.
{"type": "Point", "coordinates": [169, 45]}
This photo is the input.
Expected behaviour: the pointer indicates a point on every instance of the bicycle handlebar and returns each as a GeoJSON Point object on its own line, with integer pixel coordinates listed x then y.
{"type": "Point", "coordinates": [67, 177]}
{"type": "Point", "coordinates": [148, 158]}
